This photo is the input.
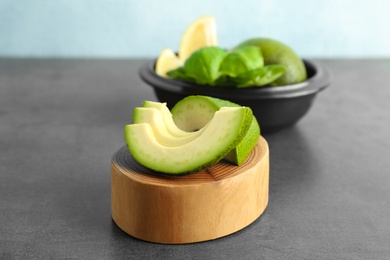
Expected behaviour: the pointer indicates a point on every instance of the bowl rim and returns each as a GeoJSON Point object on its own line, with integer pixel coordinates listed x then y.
{"type": "Point", "coordinates": [319, 81]}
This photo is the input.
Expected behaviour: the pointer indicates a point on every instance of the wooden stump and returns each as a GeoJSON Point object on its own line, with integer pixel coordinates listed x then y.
{"type": "Point", "coordinates": [184, 209]}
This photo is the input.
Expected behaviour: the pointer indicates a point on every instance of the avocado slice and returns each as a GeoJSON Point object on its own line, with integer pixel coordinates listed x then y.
{"type": "Point", "coordinates": [225, 130]}
{"type": "Point", "coordinates": [167, 117]}
{"type": "Point", "coordinates": [155, 118]}
{"type": "Point", "coordinates": [193, 112]}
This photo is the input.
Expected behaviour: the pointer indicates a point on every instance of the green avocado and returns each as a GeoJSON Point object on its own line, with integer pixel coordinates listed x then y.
{"type": "Point", "coordinates": [276, 52]}
{"type": "Point", "coordinates": [226, 129]}
{"type": "Point", "coordinates": [193, 113]}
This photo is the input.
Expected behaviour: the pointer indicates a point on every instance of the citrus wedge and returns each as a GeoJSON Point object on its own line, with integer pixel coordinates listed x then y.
{"type": "Point", "coordinates": [200, 33]}
{"type": "Point", "coordinates": [167, 61]}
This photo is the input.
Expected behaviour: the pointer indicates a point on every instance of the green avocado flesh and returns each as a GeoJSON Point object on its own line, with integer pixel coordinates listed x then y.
{"type": "Point", "coordinates": [194, 112]}
{"type": "Point", "coordinates": [224, 131]}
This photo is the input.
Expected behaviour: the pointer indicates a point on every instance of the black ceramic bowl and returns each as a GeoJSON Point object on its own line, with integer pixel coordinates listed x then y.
{"type": "Point", "coordinates": [274, 107]}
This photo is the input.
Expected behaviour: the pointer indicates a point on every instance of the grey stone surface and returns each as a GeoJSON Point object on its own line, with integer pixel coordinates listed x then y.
{"type": "Point", "coordinates": [62, 120]}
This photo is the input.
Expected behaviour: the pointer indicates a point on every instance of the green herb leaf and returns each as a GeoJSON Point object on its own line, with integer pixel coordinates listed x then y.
{"type": "Point", "coordinates": [180, 74]}
{"type": "Point", "coordinates": [225, 81]}
{"type": "Point", "coordinates": [241, 60]}
{"type": "Point", "coordinates": [260, 77]}
{"type": "Point", "coordinates": [203, 65]}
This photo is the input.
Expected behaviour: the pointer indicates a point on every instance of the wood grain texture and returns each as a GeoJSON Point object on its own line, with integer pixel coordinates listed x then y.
{"type": "Point", "coordinates": [184, 209]}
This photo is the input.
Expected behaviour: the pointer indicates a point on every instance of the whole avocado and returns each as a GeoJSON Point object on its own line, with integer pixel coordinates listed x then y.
{"type": "Point", "coordinates": [276, 52]}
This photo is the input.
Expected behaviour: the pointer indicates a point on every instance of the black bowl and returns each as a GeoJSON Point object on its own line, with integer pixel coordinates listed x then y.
{"type": "Point", "coordinates": [274, 107]}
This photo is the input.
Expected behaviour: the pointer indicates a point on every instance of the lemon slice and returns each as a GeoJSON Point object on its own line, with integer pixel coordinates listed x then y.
{"type": "Point", "coordinates": [200, 33]}
{"type": "Point", "coordinates": [167, 61]}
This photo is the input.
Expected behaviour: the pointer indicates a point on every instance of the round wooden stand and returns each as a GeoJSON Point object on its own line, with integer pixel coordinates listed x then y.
{"type": "Point", "coordinates": [184, 209]}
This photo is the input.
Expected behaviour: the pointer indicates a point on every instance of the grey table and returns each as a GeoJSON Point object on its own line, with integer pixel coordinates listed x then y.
{"type": "Point", "coordinates": [62, 120]}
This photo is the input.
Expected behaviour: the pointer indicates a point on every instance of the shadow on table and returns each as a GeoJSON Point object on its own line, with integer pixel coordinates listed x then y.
{"type": "Point", "coordinates": [293, 164]}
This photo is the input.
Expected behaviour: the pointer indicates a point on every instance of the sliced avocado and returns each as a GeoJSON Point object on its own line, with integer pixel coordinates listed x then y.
{"type": "Point", "coordinates": [227, 128]}
{"type": "Point", "coordinates": [155, 118]}
{"type": "Point", "coordinates": [167, 116]}
{"type": "Point", "coordinates": [193, 112]}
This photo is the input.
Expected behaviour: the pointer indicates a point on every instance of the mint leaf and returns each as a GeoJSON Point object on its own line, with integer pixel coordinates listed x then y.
{"type": "Point", "coordinates": [260, 77]}
{"type": "Point", "coordinates": [225, 81]}
{"type": "Point", "coordinates": [180, 74]}
{"type": "Point", "coordinates": [242, 67]}
{"type": "Point", "coordinates": [203, 65]}
{"type": "Point", "coordinates": [241, 60]}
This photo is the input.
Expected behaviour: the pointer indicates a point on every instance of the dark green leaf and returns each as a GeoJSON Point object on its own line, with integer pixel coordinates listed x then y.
{"type": "Point", "coordinates": [225, 81]}
{"type": "Point", "coordinates": [180, 74]}
{"type": "Point", "coordinates": [260, 77]}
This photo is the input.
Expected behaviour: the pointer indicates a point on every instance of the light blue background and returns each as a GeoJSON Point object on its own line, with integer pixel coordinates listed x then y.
{"type": "Point", "coordinates": [123, 29]}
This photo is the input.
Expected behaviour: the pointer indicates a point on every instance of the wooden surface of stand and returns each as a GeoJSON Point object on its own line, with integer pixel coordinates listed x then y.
{"type": "Point", "coordinates": [184, 209]}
